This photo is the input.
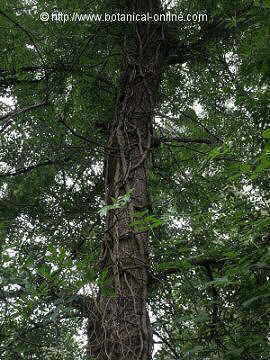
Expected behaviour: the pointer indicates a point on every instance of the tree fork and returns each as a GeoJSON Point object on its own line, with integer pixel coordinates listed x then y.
{"type": "Point", "coordinates": [124, 331]}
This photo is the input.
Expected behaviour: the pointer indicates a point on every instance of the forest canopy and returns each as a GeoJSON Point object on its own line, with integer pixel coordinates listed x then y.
{"type": "Point", "coordinates": [134, 181]}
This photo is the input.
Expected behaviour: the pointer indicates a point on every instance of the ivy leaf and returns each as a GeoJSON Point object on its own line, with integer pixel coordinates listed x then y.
{"type": "Point", "coordinates": [118, 203]}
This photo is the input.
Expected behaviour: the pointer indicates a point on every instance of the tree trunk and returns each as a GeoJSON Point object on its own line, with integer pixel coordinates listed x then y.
{"type": "Point", "coordinates": [124, 330]}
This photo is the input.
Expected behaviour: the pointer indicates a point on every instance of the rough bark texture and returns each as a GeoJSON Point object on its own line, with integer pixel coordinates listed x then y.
{"type": "Point", "coordinates": [123, 330]}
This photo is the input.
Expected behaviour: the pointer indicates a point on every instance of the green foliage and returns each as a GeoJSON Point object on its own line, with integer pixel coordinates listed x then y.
{"type": "Point", "coordinates": [118, 203]}
{"type": "Point", "coordinates": [209, 227]}
{"type": "Point", "coordinates": [143, 221]}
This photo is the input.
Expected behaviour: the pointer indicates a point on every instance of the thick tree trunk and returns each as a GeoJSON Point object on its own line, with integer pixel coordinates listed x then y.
{"type": "Point", "coordinates": [124, 330]}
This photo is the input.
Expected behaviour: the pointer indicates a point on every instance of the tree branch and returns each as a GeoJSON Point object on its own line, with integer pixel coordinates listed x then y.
{"type": "Point", "coordinates": [33, 167]}
{"type": "Point", "coordinates": [196, 261]}
{"type": "Point", "coordinates": [196, 121]}
{"type": "Point", "coordinates": [159, 140]}
{"type": "Point", "coordinates": [84, 304]}
{"type": "Point", "coordinates": [29, 35]}
{"type": "Point", "coordinates": [18, 112]}
{"type": "Point", "coordinates": [14, 81]}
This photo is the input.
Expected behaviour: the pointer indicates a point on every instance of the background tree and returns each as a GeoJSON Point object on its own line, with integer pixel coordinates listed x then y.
{"type": "Point", "coordinates": [155, 138]}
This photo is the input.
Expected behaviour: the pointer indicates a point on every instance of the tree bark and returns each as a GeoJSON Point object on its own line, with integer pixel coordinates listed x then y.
{"type": "Point", "coordinates": [124, 330]}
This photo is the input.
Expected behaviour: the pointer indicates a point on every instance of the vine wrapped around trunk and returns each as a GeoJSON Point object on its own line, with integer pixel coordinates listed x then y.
{"type": "Point", "coordinates": [124, 330]}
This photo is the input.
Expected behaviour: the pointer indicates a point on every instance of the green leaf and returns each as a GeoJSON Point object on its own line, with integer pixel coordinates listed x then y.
{"type": "Point", "coordinates": [118, 203]}
{"type": "Point", "coordinates": [90, 275]}
{"type": "Point", "coordinates": [102, 279]}
{"type": "Point", "coordinates": [266, 134]}
{"type": "Point", "coordinates": [45, 270]}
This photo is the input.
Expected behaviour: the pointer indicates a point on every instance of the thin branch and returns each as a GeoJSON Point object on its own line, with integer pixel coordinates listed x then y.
{"type": "Point", "coordinates": [74, 133]}
{"type": "Point", "coordinates": [84, 304]}
{"type": "Point", "coordinates": [196, 121]}
{"type": "Point", "coordinates": [18, 112]}
{"type": "Point", "coordinates": [61, 67]}
{"type": "Point", "coordinates": [29, 35]}
{"type": "Point", "coordinates": [186, 147]}
{"type": "Point", "coordinates": [160, 140]}
{"type": "Point", "coordinates": [10, 82]}
{"type": "Point", "coordinates": [196, 261]}
{"type": "Point", "coordinates": [21, 111]}
{"type": "Point", "coordinates": [169, 345]}
{"type": "Point", "coordinates": [33, 167]}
